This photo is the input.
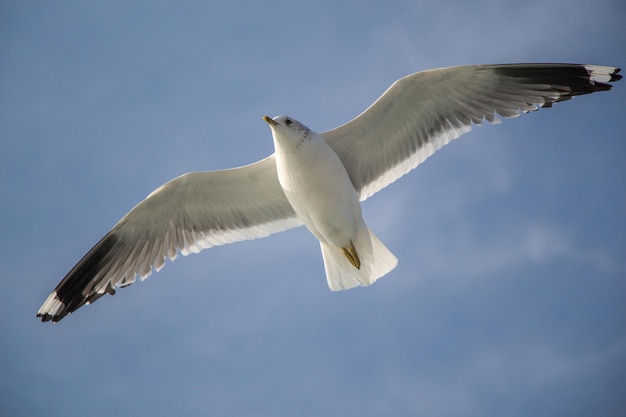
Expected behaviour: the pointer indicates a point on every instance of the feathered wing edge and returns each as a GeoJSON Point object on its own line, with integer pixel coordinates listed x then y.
{"type": "Point", "coordinates": [188, 214]}
{"type": "Point", "coordinates": [432, 108]}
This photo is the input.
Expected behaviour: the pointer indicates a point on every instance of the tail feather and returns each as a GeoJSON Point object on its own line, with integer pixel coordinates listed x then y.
{"type": "Point", "coordinates": [376, 261]}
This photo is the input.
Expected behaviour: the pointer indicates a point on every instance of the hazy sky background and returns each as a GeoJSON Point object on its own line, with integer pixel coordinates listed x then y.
{"type": "Point", "coordinates": [509, 295]}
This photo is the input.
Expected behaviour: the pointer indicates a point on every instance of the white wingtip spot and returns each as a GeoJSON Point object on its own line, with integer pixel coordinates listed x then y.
{"type": "Point", "coordinates": [52, 306]}
{"type": "Point", "coordinates": [600, 73]}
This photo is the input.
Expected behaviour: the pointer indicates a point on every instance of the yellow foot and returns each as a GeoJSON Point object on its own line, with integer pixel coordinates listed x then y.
{"type": "Point", "coordinates": [352, 255]}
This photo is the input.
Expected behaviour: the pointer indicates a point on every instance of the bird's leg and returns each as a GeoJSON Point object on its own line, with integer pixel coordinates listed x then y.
{"type": "Point", "coordinates": [352, 255]}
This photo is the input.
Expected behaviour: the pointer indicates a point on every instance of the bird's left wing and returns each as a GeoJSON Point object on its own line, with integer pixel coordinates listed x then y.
{"type": "Point", "coordinates": [422, 112]}
{"type": "Point", "coordinates": [192, 212]}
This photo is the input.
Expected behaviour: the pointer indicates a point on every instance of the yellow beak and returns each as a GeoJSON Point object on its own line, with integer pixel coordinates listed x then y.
{"type": "Point", "coordinates": [270, 121]}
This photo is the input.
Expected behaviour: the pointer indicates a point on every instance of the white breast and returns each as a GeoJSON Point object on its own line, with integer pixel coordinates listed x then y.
{"type": "Point", "coordinates": [320, 191]}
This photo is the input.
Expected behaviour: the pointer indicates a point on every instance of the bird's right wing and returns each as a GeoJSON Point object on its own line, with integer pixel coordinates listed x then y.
{"type": "Point", "coordinates": [192, 212]}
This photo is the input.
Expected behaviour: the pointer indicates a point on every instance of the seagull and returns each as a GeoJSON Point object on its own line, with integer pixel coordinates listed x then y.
{"type": "Point", "coordinates": [319, 179]}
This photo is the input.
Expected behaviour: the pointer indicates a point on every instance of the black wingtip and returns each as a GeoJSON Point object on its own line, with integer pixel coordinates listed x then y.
{"type": "Point", "coordinates": [616, 76]}
{"type": "Point", "coordinates": [78, 288]}
{"type": "Point", "coordinates": [567, 80]}
{"type": "Point", "coordinates": [54, 319]}
{"type": "Point", "coordinates": [45, 317]}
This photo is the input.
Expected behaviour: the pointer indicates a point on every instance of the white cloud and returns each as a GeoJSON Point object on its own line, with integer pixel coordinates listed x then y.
{"type": "Point", "coordinates": [464, 252]}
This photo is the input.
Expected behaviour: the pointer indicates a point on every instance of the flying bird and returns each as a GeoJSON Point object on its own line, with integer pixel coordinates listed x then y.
{"type": "Point", "coordinates": [319, 179]}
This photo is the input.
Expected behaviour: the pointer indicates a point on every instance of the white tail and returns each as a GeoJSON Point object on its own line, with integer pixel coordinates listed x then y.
{"type": "Point", "coordinates": [376, 261]}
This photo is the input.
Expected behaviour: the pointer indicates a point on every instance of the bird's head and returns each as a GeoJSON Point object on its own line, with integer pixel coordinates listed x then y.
{"type": "Point", "coordinates": [289, 134]}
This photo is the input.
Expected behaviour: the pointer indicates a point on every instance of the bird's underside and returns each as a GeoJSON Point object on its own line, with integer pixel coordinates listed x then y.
{"type": "Point", "coordinates": [414, 118]}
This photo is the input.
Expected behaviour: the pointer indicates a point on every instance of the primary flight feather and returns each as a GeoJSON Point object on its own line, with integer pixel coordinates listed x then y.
{"type": "Point", "coordinates": [319, 179]}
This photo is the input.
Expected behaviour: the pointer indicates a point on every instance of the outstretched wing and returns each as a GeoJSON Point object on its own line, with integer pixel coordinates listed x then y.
{"type": "Point", "coordinates": [424, 111]}
{"type": "Point", "coordinates": [192, 212]}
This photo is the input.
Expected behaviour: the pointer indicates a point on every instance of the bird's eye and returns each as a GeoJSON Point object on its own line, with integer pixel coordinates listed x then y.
{"type": "Point", "coordinates": [288, 122]}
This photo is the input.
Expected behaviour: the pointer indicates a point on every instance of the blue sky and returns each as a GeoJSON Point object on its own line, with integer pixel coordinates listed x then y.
{"type": "Point", "coordinates": [509, 295]}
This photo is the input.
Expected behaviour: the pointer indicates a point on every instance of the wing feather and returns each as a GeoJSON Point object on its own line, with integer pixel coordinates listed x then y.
{"type": "Point", "coordinates": [192, 212]}
{"type": "Point", "coordinates": [424, 111]}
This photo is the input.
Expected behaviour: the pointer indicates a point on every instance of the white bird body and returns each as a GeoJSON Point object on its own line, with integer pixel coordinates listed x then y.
{"type": "Point", "coordinates": [318, 187]}
{"type": "Point", "coordinates": [319, 179]}
{"type": "Point", "coordinates": [316, 183]}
